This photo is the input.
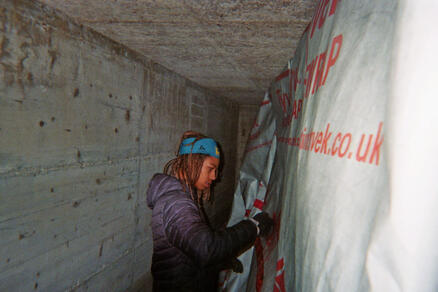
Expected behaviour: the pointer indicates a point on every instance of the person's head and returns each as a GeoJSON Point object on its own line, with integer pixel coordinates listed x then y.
{"type": "Point", "coordinates": [196, 164]}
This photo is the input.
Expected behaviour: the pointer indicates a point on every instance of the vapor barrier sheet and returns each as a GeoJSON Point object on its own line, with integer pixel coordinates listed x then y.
{"type": "Point", "coordinates": [343, 156]}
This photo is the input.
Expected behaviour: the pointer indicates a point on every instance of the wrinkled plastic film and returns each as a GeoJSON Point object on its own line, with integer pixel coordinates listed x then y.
{"type": "Point", "coordinates": [324, 159]}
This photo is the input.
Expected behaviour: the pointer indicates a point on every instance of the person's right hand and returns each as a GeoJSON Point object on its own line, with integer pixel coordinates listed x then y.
{"type": "Point", "coordinates": [236, 265]}
{"type": "Point", "coordinates": [232, 264]}
{"type": "Point", "coordinates": [265, 223]}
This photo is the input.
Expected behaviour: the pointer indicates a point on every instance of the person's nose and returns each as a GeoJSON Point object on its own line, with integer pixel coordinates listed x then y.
{"type": "Point", "coordinates": [213, 175]}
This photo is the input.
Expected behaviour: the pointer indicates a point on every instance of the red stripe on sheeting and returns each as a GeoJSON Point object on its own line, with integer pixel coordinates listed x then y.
{"type": "Point", "coordinates": [282, 75]}
{"type": "Point", "coordinates": [265, 102]}
{"type": "Point", "coordinates": [260, 264]}
{"type": "Point", "coordinates": [255, 135]}
{"type": "Point", "coordinates": [258, 204]}
{"type": "Point", "coordinates": [279, 283]}
{"type": "Point", "coordinates": [247, 212]}
{"type": "Point", "coordinates": [280, 264]}
{"type": "Point", "coordinates": [279, 278]}
{"type": "Point", "coordinates": [259, 146]}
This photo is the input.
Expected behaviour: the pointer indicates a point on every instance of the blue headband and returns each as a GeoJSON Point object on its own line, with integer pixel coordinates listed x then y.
{"type": "Point", "coordinates": [203, 146]}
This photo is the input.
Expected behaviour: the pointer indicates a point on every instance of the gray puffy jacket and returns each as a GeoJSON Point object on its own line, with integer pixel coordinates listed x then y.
{"type": "Point", "coordinates": [186, 249]}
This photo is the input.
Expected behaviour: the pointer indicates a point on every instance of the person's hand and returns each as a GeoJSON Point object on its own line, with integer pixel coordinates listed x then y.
{"type": "Point", "coordinates": [232, 264]}
{"type": "Point", "coordinates": [265, 223]}
{"type": "Point", "coordinates": [236, 265]}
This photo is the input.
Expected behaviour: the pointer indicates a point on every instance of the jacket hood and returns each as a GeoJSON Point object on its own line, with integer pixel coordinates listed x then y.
{"type": "Point", "coordinates": [159, 185]}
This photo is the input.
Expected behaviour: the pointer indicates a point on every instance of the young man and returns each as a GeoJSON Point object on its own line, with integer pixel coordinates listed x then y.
{"type": "Point", "coordinates": [188, 254]}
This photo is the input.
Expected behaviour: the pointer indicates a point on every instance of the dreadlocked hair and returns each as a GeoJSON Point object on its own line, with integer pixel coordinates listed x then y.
{"type": "Point", "coordinates": [187, 168]}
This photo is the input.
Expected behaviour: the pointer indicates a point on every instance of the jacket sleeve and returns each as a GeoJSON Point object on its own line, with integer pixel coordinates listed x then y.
{"type": "Point", "coordinates": [186, 230]}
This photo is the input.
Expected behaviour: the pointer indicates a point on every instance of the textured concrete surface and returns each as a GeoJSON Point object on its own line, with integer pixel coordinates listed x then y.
{"type": "Point", "coordinates": [84, 123]}
{"type": "Point", "coordinates": [234, 48]}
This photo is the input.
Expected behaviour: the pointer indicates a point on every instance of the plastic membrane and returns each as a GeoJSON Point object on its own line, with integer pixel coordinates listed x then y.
{"type": "Point", "coordinates": [343, 156]}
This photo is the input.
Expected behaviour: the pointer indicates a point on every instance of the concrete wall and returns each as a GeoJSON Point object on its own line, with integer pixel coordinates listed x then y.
{"type": "Point", "coordinates": [84, 123]}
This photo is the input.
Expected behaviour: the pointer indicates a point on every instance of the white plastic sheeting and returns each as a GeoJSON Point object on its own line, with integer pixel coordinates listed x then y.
{"type": "Point", "coordinates": [343, 155]}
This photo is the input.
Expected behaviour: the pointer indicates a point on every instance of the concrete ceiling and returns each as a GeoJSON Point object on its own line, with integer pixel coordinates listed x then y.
{"type": "Point", "coordinates": [233, 47]}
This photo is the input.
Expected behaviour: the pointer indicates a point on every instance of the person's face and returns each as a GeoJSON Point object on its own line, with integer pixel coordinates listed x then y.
{"type": "Point", "coordinates": [208, 173]}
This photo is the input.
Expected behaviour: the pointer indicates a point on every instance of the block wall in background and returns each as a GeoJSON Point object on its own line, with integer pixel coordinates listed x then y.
{"type": "Point", "coordinates": [84, 124]}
